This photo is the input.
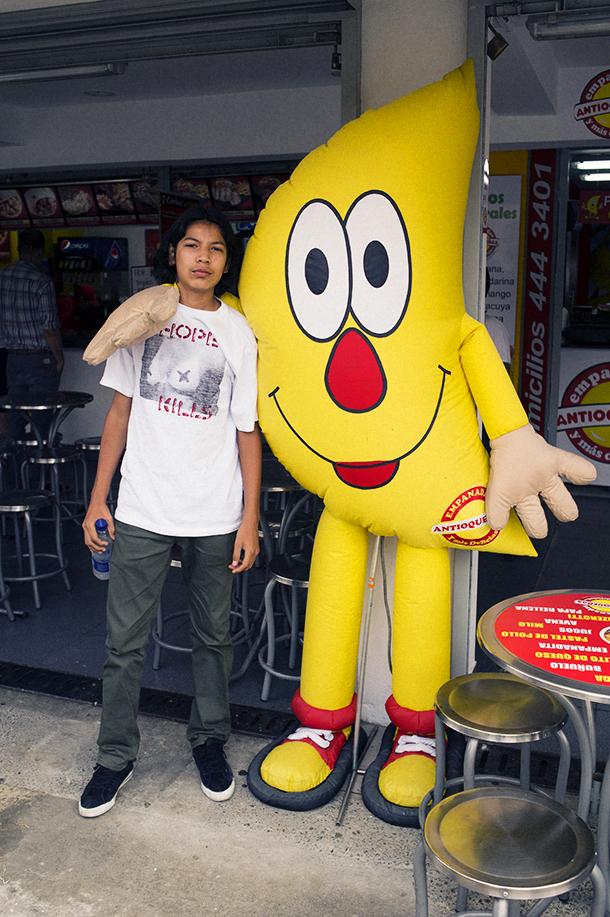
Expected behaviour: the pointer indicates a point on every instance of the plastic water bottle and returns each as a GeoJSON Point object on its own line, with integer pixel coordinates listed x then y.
{"type": "Point", "coordinates": [101, 562]}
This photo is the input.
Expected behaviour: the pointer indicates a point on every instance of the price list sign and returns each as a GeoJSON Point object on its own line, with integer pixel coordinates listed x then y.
{"type": "Point", "coordinates": [565, 634]}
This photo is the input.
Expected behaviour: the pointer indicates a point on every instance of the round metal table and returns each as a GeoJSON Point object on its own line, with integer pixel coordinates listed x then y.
{"type": "Point", "coordinates": [60, 403]}
{"type": "Point", "coordinates": [560, 640]}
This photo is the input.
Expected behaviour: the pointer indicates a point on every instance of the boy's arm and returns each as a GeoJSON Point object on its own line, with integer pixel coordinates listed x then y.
{"type": "Point", "coordinates": [246, 540]}
{"type": "Point", "coordinates": [114, 438]}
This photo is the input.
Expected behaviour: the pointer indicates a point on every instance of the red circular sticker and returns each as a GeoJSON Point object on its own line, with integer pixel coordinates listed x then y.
{"type": "Point", "coordinates": [463, 519]}
{"type": "Point", "coordinates": [594, 106]}
{"type": "Point", "coordinates": [584, 413]}
{"type": "Point", "coordinates": [567, 635]}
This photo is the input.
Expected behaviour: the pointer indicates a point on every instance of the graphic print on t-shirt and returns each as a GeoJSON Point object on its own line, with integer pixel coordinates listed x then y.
{"type": "Point", "coordinates": [182, 369]}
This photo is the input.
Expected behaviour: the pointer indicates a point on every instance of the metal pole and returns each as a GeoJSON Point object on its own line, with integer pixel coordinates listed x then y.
{"type": "Point", "coordinates": [361, 676]}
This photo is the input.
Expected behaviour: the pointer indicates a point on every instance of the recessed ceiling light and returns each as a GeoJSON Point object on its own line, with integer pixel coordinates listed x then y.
{"type": "Point", "coordinates": [596, 176]}
{"type": "Point", "coordinates": [99, 93]}
{"type": "Point", "coordinates": [592, 164]}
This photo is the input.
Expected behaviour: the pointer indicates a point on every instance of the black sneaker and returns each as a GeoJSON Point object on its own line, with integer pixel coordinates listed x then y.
{"type": "Point", "coordinates": [101, 792]}
{"type": "Point", "coordinates": [217, 781]}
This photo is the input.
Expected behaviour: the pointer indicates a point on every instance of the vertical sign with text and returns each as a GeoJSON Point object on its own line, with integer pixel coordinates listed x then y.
{"type": "Point", "coordinates": [537, 286]}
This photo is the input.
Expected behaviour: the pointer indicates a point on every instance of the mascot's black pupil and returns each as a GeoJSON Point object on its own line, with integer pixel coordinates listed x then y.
{"type": "Point", "coordinates": [316, 271]}
{"type": "Point", "coordinates": [376, 264]}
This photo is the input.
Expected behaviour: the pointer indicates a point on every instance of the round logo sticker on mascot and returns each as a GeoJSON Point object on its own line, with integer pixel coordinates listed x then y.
{"type": "Point", "coordinates": [594, 106]}
{"type": "Point", "coordinates": [458, 526]}
{"type": "Point", "coordinates": [584, 413]}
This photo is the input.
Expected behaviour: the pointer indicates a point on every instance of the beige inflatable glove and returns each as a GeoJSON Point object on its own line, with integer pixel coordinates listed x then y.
{"type": "Point", "coordinates": [138, 318]}
{"type": "Point", "coordinates": [524, 465]}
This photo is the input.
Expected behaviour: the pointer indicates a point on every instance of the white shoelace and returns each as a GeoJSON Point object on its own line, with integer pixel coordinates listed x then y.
{"type": "Point", "coordinates": [322, 737]}
{"type": "Point", "coordinates": [413, 744]}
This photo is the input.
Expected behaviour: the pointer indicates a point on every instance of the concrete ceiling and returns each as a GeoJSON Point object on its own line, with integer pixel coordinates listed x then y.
{"type": "Point", "coordinates": [525, 77]}
{"type": "Point", "coordinates": [248, 71]}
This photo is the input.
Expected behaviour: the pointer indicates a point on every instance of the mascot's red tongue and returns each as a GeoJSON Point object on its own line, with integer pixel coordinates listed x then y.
{"type": "Point", "coordinates": [366, 474]}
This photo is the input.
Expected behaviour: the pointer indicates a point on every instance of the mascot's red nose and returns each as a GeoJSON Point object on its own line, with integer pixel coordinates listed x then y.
{"type": "Point", "coordinates": [355, 379]}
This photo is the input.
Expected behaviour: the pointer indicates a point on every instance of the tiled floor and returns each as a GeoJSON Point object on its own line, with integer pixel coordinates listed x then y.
{"type": "Point", "coordinates": [67, 634]}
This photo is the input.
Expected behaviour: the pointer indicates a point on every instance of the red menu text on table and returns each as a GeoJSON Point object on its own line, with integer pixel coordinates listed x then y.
{"type": "Point", "coordinates": [567, 634]}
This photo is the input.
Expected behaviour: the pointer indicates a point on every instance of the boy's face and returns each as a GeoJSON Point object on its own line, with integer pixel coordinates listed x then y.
{"type": "Point", "coordinates": [201, 260]}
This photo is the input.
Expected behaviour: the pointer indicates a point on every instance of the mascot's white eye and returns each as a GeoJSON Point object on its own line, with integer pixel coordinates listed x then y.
{"type": "Point", "coordinates": [381, 263]}
{"type": "Point", "coordinates": [318, 271]}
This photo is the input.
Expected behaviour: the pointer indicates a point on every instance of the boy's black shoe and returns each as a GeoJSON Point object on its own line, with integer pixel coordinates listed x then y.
{"type": "Point", "coordinates": [217, 781]}
{"type": "Point", "coordinates": [101, 792]}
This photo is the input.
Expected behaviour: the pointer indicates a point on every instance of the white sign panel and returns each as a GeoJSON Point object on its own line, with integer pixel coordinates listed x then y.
{"type": "Point", "coordinates": [503, 220]}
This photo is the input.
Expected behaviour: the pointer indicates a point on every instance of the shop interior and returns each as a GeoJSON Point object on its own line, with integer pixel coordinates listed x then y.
{"type": "Point", "coordinates": [66, 636]}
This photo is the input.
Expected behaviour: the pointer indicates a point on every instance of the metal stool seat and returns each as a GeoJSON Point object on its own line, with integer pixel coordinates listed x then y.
{"type": "Point", "coordinates": [27, 503]}
{"type": "Point", "coordinates": [52, 458]}
{"type": "Point", "coordinates": [288, 570]}
{"type": "Point", "coordinates": [509, 844]}
{"type": "Point", "coordinates": [498, 708]}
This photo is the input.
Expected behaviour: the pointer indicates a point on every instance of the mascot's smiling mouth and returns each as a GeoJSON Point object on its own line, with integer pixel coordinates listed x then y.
{"type": "Point", "coordinates": [367, 475]}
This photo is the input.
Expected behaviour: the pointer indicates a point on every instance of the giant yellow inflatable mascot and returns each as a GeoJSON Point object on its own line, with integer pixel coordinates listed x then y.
{"type": "Point", "coordinates": [369, 371]}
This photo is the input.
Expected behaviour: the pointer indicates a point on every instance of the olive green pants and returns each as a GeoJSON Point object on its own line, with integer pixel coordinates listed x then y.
{"type": "Point", "coordinates": [138, 566]}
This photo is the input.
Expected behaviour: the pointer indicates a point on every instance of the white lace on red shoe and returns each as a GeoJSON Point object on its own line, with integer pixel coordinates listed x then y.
{"type": "Point", "coordinates": [321, 737]}
{"type": "Point", "coordinates": [413, 744]}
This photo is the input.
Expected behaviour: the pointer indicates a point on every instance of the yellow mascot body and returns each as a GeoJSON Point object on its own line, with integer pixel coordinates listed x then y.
{"type": "Point", "coordinates": [369, 371]}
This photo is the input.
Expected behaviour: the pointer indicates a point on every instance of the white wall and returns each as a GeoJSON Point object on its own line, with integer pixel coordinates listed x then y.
{"type": "Point", "coordinates": [559, 129]}
{"type": "Point", "coordinates": [246, 125]}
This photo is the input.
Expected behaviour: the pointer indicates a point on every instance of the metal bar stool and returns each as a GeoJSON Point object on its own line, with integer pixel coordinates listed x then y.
{"type": "Point", "coordinates": [53, 458]}
{"type": "Point", "coordinates": [510, 844]}
{"type": "Point", "coordinates": [291, 570]}
{"type": "Point", "coordinates": [498, 708]}
{"type": "Point", "coordinates": [28, 503]}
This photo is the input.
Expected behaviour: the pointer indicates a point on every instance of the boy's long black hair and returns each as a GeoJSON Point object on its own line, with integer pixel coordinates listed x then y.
{"type": "Point", "coordinates": [166, 272]}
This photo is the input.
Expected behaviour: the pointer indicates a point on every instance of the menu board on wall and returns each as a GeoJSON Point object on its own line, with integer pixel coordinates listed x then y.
{"type": "Point", "coordinates": [101, 204]}
{"type": "Point", "coordinates": [241, 198]}
{"type": "Point", "coordinates": [119, 203]}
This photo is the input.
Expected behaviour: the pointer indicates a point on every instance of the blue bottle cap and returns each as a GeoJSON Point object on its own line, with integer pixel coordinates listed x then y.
{"type": "Point", "coordinates": [101, 524]}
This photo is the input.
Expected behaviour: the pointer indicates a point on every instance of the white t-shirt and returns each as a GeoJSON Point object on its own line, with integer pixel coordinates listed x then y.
{"type": "Point", "coordinates": [192, 386]}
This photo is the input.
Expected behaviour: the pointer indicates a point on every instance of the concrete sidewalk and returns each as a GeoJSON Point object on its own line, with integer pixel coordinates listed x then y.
{"type": "Point", "coordinates": [165, 850]}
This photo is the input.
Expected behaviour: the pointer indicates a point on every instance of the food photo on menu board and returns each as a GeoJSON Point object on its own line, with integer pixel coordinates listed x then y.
{"type": "Point", "coordinates": [145, 196]}
{"type": "Point", "coordinates": [263, 187]}
{"type": "Point", "coordinates": [115, 203]}
{"type": "Point", "coordinates": [233, 194]}
{"type": "Point", "coordinates": [196, 186]}
{"type": "Point", "coordinates": [44, 207]}
{"type": "Point", "coordinates": [78, 205]}
{"type": "Point", "coordinates": [13, 213]}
